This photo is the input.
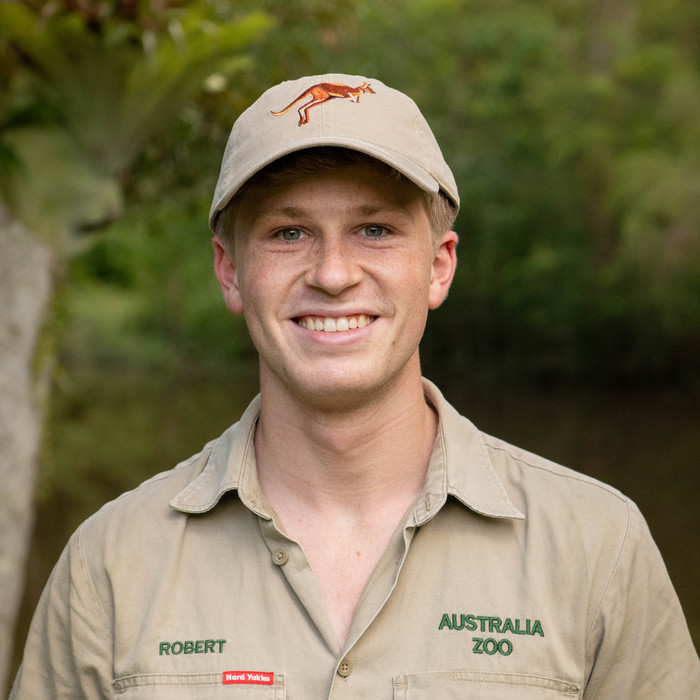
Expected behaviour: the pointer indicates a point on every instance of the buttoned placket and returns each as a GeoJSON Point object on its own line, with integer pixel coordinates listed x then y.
{"type": "Point", "coordinates": [378, 591]}
{"type": "Point", "coordinates": [291, 560]}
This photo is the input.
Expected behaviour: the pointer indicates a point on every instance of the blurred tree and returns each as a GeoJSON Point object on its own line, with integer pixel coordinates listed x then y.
{"type": "Point", "coordinates": [85, 85]}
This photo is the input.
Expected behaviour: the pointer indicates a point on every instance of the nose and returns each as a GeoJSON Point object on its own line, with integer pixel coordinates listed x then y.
{"type": "Point", "coordinates": [333, 267]}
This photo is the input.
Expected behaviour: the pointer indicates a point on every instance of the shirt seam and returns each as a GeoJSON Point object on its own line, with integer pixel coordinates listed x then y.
{"type": "Point", "coordinates": [90, 583]}
{"type": "Point", "coordinates": [613, 573]}
{"type": "Point", "coordinates": [590, 481]}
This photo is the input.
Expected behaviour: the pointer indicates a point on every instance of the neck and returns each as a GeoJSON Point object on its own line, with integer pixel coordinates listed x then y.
{"type": "Point", "coordinates": [344, 461]}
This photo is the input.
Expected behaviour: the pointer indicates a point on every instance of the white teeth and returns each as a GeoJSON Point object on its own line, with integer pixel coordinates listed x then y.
{"type": "Point", "coordinates": [329, 324]}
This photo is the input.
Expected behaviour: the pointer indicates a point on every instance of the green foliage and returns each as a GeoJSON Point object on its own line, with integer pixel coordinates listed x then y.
{"type": "Point", "coordinates": [108, 80]}
{"type": "Point", "coordinates": [145, 296]}
{"type": "Point", "coordinates": [106, 84]}
{"type": "Point", "coordinates": [308, 36]}
{"type": "Point", "coordinates": [58, 192]}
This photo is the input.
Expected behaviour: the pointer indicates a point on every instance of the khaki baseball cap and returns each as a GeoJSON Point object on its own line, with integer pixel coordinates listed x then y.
{"type": "Point", "coordinates": [349, 111]}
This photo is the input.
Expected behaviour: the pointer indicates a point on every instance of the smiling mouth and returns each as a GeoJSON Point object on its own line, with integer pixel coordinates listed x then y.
{"type": "Point", "coordinates": [335, 324]}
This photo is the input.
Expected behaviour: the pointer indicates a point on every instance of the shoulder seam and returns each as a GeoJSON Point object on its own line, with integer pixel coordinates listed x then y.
{"type": "Point", "coordinates": [570, 473]}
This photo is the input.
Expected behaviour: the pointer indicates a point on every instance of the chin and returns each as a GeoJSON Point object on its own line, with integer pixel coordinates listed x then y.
{"type": "Point", "coordinates": [343, 391]}
{"type": "Point", "coordinates": [339, 393]}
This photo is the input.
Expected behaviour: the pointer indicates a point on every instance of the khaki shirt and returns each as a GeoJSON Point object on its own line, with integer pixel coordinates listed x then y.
{"type": "Point", "coordinates": [512, 578]}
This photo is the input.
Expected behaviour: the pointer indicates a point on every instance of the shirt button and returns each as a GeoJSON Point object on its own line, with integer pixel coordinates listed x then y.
{"type": "Point", "coordinates": [345, 668]}
{"type": "Point", "coordinates": [280, 557]}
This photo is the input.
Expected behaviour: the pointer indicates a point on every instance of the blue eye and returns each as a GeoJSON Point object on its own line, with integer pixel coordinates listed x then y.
{"type": "Point", "coordinates": [374, 231]}
{"type": "Point", "coordinates": [290, 234]}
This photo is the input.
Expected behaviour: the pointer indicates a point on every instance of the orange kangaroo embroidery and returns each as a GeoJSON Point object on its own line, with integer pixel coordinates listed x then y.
{"type": "Point", "coordinates": [323, 92]}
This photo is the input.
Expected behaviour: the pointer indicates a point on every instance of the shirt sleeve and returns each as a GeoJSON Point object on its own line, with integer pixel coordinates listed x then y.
{"type": "Point", "coordinates": [68, 653]}
{"type": "Point", "coordinates": [639, 645]}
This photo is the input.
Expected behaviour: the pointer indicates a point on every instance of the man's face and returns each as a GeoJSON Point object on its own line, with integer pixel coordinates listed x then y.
{"type": "Point", "coordinates": [335, 275]}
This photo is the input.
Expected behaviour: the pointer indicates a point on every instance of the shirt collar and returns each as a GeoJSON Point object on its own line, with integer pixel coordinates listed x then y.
{"type": "Point", "coordinates": [460, 467]}
{"type": "Point", "coordinates": [228, 466]}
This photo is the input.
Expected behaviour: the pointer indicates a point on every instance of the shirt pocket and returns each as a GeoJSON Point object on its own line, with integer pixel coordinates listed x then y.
{"type": "Point", "coordinates": [476, 685]}
{"type": "Point", "coordinates": [201, 686]}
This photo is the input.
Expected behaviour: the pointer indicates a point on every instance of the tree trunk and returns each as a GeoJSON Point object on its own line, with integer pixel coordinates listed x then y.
{"type": "Point", "coordinates": [26, 285]}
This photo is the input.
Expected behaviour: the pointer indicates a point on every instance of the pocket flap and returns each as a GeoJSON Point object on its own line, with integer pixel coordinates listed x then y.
{"type": "Point", "coordinates": [479, 685]}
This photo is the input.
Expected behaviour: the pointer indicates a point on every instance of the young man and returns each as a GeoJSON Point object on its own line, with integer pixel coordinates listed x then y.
{"type": "Point", "coordinates": [352, 536]}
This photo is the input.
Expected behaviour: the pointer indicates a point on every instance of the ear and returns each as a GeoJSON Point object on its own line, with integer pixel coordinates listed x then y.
{"type": "Point", "coordinates": [443, 269]}
{"type": "Point", "coordinates": [227, 274]}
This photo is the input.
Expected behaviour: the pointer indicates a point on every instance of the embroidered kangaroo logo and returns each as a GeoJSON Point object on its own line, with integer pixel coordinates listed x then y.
{"type": "Point", "coordinates": [321, 93]}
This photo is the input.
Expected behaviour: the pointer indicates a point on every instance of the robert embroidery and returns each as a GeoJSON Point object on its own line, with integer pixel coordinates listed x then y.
{"type": "Point", "coordinates": [192, 646]}
{"type": "Point", "coordinates": [323, 92]}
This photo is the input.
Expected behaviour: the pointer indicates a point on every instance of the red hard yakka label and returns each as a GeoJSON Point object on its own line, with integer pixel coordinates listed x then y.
{"type": "Point", "coordinates": [248, 678]}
